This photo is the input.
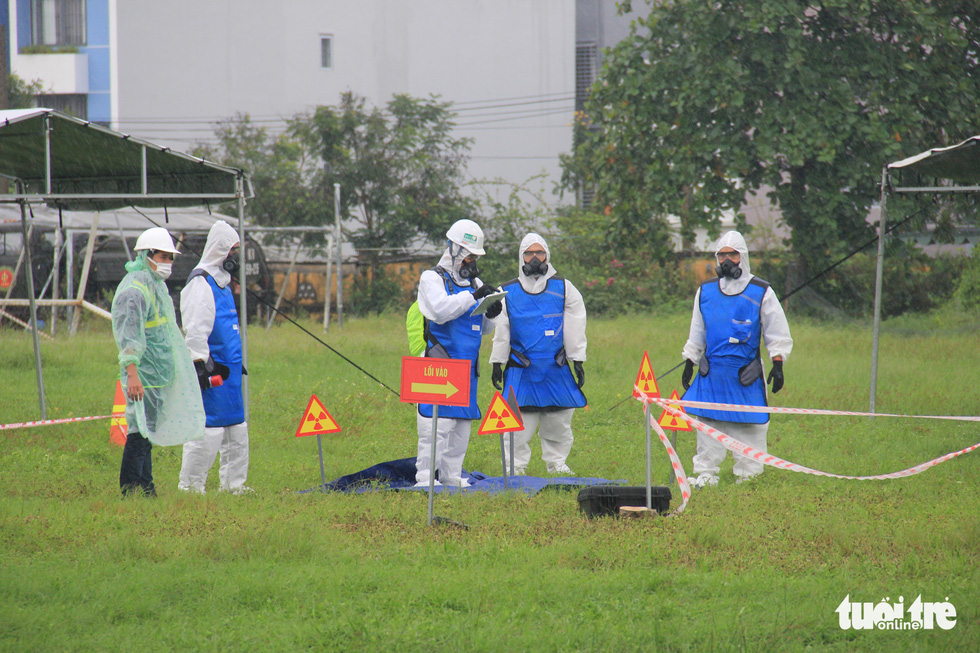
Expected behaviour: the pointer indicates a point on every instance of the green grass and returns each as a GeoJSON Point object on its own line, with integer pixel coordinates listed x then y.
{"type": "Point", "coordinates": [757, 566]}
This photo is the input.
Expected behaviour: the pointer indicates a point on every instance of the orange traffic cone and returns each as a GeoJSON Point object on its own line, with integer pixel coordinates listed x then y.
{"type": "Point", "coordinates": [117, 429]}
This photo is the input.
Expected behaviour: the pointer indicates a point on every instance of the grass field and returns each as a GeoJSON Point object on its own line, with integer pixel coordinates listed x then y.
{"type": "Point", "coordinates": [758, 566]}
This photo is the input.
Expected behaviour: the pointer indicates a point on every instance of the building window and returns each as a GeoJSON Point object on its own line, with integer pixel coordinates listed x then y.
{"type": "Point", "coordinates": [326, 52]}
{"type": "Point", "coordinates": [58, 22]}
{"type": "Point", "coordinates": [586, 72]}
{"type": "Point", "coordinates": [586, 69]}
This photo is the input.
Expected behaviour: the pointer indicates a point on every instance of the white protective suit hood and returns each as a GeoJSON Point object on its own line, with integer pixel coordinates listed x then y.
{"type": "Point", "coordinates": [734, 240]}
{"type": "Point", "coordinates": [452, 263]}
{"type": "Point", "coordinates": [535, 284]}
{"type": "Point", "coordinates": [221, 239]}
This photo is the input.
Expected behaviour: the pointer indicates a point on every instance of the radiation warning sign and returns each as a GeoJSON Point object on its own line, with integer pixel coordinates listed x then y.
{"type": "Point", "coordinates": [316, 420]}
{"type": "Point", "coordinates": [500, 418]}
{"type": "Point", "coordinates": [672, 422]}
{"type": "Point", "coordinates": [645, 380]}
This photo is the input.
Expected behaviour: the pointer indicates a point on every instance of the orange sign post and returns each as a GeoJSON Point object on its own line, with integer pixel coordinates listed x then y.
{"type": "Point", "coordinates": [440, 382]}
{"type": "Point", "coordinates": [437, 381]}
{"type": "Point", "coordinates": [317, 421]}
{"type": "Point", "coordinates": [503, 417]}
{"type": "Point", "coordinates": [646, 384]}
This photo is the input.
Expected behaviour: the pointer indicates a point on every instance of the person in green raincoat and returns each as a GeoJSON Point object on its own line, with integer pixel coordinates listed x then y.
{"type": "Point", "coordinates": [163, 399]}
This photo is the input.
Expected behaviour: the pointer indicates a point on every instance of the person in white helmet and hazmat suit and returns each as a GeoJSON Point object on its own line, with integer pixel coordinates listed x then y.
{"type": "Point", "coordinates": [163, 402]}
{"type": "Point", "coordinates": [733, 315]}
{"type": "Point", "coordinates": [211, 331]}
{"type": "Point", "coordinates": [540, 337]}
{"type": "Point", "coordinates": [447, 296]}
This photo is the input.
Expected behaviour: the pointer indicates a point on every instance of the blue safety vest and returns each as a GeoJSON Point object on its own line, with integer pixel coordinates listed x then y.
{"type": "Point", "coordinates": [224, 405]}
{"type": "Point", "coordinates": [460, 338]}
{"type": "Point", "coordinates": [537, 369]}
{"type": "Point", "coordinates": [733, 334]}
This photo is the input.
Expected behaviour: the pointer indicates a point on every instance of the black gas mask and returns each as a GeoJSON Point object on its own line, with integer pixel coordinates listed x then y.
{"type": "Point", "coordinates": [230, 265]}
{"type": "Point", "coordinates": [468, 270]}
{"type": "Point", "coordinates": [728, 268]}
{"type": "Point", "coordinates": [535, 267]}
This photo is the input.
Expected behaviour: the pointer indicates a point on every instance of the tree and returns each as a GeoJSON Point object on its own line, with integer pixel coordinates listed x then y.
{"type": "Point", "coordinates": [20, 94]}
{"type": "Point", "coordinates": [400, 170]}
{"type": "Point", "coordinates": [284, 171]}
{"type": "Point", "coordinates": [705, 101]}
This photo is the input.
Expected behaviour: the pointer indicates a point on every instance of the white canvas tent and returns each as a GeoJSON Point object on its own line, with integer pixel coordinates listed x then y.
{"type": "Point", "coordinates": [954, 169]}
{"type": "Point", "coordinates": [50, 158]}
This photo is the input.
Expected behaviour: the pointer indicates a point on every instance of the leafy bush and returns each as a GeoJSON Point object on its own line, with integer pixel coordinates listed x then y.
{"type": "Point", "coordinates": [614, 281]}
{"type": "Point", "coordinates": [968, 290]}
{"type": "Point", "coordinates": [374, 294]}
{"type": "Point", "coordinates": [911, 283]}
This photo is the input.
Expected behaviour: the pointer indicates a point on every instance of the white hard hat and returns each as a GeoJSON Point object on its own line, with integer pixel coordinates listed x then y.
{"type": "Point", "coordinates": [156, 238]}
{"type": "Point", "coordinates": [468, 234]}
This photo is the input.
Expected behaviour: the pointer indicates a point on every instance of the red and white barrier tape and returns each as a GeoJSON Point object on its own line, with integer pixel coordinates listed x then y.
{"type": "Point", "coordinates": [764, 457]}
{"type": "Point", "coordinates": [49, 422]}
{"type": "Point", "coordinates": [675, 462]}
{"type": "Point", "coordinates": [801, 411]}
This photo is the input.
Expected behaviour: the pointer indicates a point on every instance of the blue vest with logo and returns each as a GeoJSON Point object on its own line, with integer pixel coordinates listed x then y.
{"type": "Point", "coordinates": [461, 339]}
{"type": "Point", "coordinates": [733, 334]}
{"type": "Point", "coordinates": [224, 405]}
{"type": "Point", "coordinates": [537, 370]}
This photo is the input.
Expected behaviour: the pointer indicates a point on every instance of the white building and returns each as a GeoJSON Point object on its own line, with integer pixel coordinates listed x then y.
{"type": "Point", "coordinates": [515, 70]}
{"type": "Point", "coordinates": [167, 71]}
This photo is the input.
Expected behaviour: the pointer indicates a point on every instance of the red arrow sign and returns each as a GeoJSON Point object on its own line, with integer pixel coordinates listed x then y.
{"type": "Point", "coordinates": [442, 381]}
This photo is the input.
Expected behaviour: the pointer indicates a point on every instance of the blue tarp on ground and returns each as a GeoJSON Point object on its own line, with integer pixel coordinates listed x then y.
{"type": "Point", "coordinates": [400, 475]}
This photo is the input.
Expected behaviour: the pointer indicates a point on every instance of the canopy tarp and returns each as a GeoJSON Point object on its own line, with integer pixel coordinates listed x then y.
{"type": "Point", "coordinates": [76, 164]}
{"type": "Point", "coordinates": [59, 160]}
{"type": "Point", "coordinates": [958, 163]}
{"type": "Point", "coordinates": [119, 223]}
{"type": "Point", "coordinates": [132, 221]}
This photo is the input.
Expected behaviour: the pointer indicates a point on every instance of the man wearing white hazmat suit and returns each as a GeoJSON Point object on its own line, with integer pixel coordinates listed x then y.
{"type": "Point", "coordinates": [733, 315]}
{"type": "Point", "coordinates": [540, 336]}
{"type": "Point", "coordinates": [447, 296]}
{"type": "Point", "coordinates": [212, 335]}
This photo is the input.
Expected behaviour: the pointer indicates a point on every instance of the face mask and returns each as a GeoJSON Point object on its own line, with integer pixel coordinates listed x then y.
{"type": "Point", "coordinates": [163, 270]}
{"type": "Point", "coordinates": [230, 265]}
{"type": "Point", "coordinates": [469, 270]}
{"type": "Point", "coordinates": [728, 268]}
{"type": "Point", "coordinates": [535, 268]}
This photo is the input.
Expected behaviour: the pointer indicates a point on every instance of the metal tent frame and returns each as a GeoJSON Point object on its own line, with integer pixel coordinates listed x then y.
{"type": "Point", "coordinates": [59, 160]}
{"type": "Point", "coordinates": [959, 167]}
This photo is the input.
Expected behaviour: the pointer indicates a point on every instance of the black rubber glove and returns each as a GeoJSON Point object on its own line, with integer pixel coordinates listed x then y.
{"type": "Point", "coordinates": [579, 372]}
{"type": "Point", "coordinates": [688, 374]}
{"type": "Point", "coordinates": [776, 376]}
{"type": "Point", "coordinates": [203, 378]}
{"type": "Point", "coordinates": [498, 376]}
{"type": "Point", "coordinates": [494, 310]}
{"type": "Point", "coordinates": [483, 291]}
